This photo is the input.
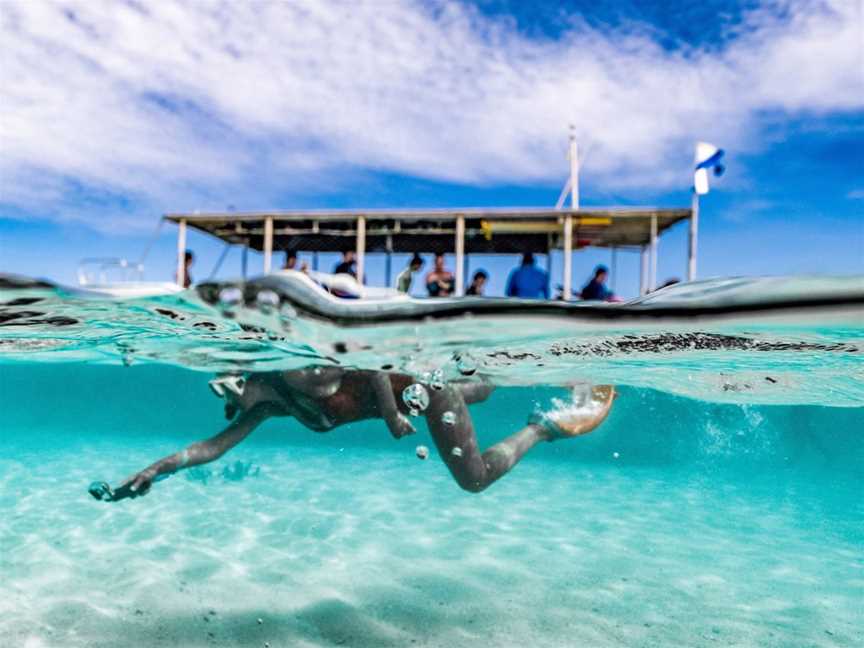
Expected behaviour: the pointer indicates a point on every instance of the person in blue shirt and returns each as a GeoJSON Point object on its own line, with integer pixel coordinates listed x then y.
{"type": "Point", "coordinates": [528, 281]}
{"type": "Point", "coordinates": [595, 289]}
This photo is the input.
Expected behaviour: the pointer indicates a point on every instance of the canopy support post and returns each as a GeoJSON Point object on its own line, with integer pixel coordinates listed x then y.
{"type": "Point", "coordinates": [361, 247]}
{"type": "Point", "coordinates": [268, 244]}
{"type": "Point", "coordinates": [643, 270]}
{"type": "Point", "coordinates": [460, 255]}
{"type": "Point", "coordinates": [652, 281]}
{"type": "Point", "coordinates": [567, 279]}
{"type": "Point", "coordinates": [614, 265]}
{"type": "Point", "coordinates": [244, 260]}
{"type": "Point", "coordinates": [694, 234]}
{"type": "Point", "coordinates": [181, 253]}
{"type": "Point", "coordinates": [388, 261]}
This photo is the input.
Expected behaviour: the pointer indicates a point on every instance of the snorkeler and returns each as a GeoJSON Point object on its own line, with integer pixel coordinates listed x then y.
{"type": "Point", "coordinates": [323, 398]}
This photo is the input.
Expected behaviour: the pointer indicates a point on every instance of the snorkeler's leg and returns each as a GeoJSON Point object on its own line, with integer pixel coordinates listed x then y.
{"type": "Point", "coordinates": [196, 454]}
{"type": "Point", "coordinates": [382, 388]}
{"type": "Point", "coordinates": [456, 441]}
{"type": "Point", "coordinates": [474, 471]}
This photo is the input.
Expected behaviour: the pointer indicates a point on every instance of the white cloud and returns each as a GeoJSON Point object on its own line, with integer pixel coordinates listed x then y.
{"type": "Point", "coordinates": [190, 102]}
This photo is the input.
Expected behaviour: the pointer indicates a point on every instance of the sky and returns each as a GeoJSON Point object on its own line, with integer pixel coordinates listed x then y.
{"type": "Point", "coordinates": [113, 113]}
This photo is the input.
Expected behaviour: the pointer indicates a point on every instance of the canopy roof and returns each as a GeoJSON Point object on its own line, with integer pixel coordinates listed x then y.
{"type": "Point", "coordinates": [487, 230]}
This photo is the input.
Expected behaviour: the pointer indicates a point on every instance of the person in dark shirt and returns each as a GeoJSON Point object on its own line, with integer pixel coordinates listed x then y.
{"type": "Point", "coordinates": [347, 264]}
{"type": "Point", "coordinates": [478, 283]}
{"type": "Point", "coordinates": [595, 289]}
{"type": "Point", "coordinates": [528, 281]}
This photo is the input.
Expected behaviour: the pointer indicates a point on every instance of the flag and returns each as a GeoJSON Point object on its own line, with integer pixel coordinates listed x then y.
{"type": "Point", "coordinates": [707, 158]}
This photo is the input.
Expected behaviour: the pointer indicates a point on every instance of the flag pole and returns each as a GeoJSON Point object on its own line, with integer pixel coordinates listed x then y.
{"type": "Point", "coordinates": [567, 279]}
{"type": "Point", "coordinates": [694, 235]}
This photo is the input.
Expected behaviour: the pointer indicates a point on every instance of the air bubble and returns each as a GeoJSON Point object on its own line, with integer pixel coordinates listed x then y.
{"type": "Point", "coordinates": [465, 363]}
{"type": "Point", "coordinates": [286, 314]}
{"type": "Point", "coordinates": [230, 300]}
{"type": "Point", "coordinates": [267, 301]}
{"type": "Point", "coordinates": [615, 455]}
{"type": "Point", "coordinates": [422, 452]}
{"type": "Point", "coordinates": [416, 398]}
{"type": "Point", "coordinates": [436, 380]}
{"type": "Point", "coordinates": [448, 419]}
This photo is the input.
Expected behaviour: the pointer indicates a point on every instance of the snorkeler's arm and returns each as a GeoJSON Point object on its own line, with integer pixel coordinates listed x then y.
{"type": "Point", "coordinates": [397, 423]}
{"type": "Point", "coordinates": [200, 452]}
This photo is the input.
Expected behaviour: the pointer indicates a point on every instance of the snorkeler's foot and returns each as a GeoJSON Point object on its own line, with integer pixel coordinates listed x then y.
{"type": "Point", "coordinates": [575, 421]}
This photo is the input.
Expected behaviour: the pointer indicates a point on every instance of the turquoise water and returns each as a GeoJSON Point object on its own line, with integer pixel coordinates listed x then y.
{"type": "Point", "coordinates": [713, 507]}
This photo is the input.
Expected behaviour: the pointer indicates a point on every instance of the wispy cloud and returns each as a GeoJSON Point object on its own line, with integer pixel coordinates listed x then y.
{"type": "Point", "coordinates": [189, 102]}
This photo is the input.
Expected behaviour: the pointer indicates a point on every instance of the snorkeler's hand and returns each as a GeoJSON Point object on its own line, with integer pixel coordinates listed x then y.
{"type": "Point", "coordinates": [400, 426]}
{"type": "Point", "coordinates": [139, 484]}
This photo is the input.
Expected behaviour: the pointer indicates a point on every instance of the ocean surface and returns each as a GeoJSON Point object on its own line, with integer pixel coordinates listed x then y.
{"type": "Point", "coordinates": [720, 504]}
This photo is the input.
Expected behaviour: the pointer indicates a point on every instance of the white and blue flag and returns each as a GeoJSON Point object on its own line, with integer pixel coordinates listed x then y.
{"type": "Point", "coordinates": [708, 158]}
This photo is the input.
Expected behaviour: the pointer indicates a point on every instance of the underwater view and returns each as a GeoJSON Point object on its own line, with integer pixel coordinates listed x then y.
{"type": "Point", "coordinates": [713, 497]}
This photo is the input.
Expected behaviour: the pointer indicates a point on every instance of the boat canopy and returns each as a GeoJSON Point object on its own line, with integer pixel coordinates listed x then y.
{"type": "Point", "coordinates": [479, 230]}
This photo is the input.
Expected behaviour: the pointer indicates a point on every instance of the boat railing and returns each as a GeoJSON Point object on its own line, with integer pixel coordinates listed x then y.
{"type": "Point", "coordinates": [102, 271]}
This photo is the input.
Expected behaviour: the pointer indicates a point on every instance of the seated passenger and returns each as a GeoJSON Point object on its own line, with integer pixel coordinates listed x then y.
{"type": "Point", "coordinates": [323, 398]}
{"type": "Point", "coordinates": [291, 262]}
{"type": "Point", "coordinates": [440, 281]}
{"type": "Point", "coordinates": [595, 289]}
{"type": "Point", "coordinates": [478, 283]}
{"type": "Point", "coordinates": [528, 281]}
{"type": "Point", "coordinates": [346, 266]}
{"type": "Point", "coordinates": [405, 278]}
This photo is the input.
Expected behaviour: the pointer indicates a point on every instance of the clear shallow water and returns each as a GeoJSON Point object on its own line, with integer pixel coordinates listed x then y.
{"type": "Point", "coordinates": [720, 520]}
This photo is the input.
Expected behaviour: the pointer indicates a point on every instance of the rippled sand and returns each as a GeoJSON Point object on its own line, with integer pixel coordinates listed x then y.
{"type": "Point", "coordinates": [352, 547]}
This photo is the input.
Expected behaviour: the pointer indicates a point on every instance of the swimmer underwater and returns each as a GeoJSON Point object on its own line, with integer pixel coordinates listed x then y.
{"type": "Point", "coordinates": [323, 398]}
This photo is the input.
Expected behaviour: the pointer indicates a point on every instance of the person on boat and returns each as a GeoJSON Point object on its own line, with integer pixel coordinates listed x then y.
{"type": "Point", "coordinates": [291, 262]}
{"type": "Point", "coordinates": [405, 278]}
{"type": "Point", "coordinates": [323, 398]}
{"type": "Point", "coordinates": [528, 281]}
{"type": "Point", "coordinates": [346, 266]}
{"type": "Point", "coordinates": [595, 289]}
{"type": "Point", "coordinates": [478, 284]}
{"type": "Point", "coordinates": [440, 281]}
{"type": "Point", "coordinates": [188, 261]}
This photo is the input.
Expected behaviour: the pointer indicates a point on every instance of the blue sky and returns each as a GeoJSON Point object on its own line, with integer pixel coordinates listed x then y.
{"type": "Point", "coordinates": [114, 113]}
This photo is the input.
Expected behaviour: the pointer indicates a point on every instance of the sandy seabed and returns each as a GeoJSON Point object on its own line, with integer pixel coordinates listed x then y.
{"type": "Point", "coordinates": [330, 547]}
